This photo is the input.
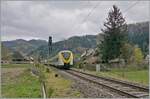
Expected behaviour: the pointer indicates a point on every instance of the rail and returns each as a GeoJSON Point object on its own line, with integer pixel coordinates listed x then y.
{"type": "Point", "coordinates": [121, 87]}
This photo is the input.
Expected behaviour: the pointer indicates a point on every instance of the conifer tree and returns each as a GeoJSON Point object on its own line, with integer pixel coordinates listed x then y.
{"type": "Point", "coordinates": [114, 35]}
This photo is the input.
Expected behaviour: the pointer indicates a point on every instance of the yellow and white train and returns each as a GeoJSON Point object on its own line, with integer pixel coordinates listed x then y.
{"type": "Point", "coordinates": [64, 59]}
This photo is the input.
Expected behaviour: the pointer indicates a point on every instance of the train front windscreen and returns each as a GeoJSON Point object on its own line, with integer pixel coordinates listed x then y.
{"type": "Point", "coordinates": [66, 55]}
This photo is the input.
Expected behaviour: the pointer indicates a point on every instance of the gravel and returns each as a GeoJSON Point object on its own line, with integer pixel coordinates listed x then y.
{"type": "Point", "coordinates": [89, 90]}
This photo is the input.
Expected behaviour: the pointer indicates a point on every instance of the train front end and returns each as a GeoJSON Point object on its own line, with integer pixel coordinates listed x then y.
{"type": "Point", "coordinates": [65, 59]}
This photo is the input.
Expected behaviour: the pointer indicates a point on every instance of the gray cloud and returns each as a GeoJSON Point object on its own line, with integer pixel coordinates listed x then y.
{"type": "Point", "coordinates": [62, 19]}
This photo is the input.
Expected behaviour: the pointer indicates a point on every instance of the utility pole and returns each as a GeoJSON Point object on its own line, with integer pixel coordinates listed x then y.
{"type": "Point", "coordinates": [49, 46]}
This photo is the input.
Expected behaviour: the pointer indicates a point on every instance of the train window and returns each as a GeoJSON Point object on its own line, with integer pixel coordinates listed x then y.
{"type": "Point", "coordinates": [66, 55]}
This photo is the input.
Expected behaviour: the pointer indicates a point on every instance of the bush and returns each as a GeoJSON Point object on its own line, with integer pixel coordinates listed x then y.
{"type": "Point", "coordinates": [47, 70]}
{"type": "Point", "coordinates": [138, 55]}
{"type": "Point", "coordinates": [50, 92]}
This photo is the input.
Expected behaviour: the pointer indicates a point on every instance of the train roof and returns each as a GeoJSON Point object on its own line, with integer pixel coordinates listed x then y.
{"type": "Point", "coordinates": [65, 51]}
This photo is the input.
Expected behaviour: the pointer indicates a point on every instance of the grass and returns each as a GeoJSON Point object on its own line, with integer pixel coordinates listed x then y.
{"type": "Point", "coordinates": [137, 76]}
{"type": "Point", "coordinates": [23, 86]}
{"type": "Point", "coordinates": [15, 65]}
{"type": "Point", "coordinates": [59, 87]}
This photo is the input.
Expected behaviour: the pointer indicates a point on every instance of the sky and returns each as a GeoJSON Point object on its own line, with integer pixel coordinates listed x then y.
{"type": "Point", "coordinates": [63, 19]}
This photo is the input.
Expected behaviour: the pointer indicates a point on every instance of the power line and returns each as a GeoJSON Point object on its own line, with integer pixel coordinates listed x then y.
{"type": "Point", "coordinates": [131, 6]}
{"type": "Point", "coordinates": [90, 12]}
{"type": "Point", "coordinates": [125, 11]}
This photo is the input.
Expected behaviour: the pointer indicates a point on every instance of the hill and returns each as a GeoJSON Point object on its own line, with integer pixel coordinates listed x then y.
{"type": "Point", "coordinates": [5, 53]}
{"type": "Point", "coordinates": [38, 48]}
{"type": "Point", "coordinates": [8, 54]}
{"type": "Point", "coordinates": [138, 33]}
{"type": "Point", "coordinates": [76, 44]}
{"type": "Point", "coordinates": [23, 46]}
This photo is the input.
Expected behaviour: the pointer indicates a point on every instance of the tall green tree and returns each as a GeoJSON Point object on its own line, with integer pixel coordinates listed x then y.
{"type": "Point", "coordinates": [114, 35]}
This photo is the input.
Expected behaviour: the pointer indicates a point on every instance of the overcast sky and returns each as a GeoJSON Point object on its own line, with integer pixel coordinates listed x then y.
{"type": "Point", "coordinates": [63, 19]}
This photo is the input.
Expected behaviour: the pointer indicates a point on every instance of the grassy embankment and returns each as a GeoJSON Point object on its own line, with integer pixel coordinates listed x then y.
{"type": "Point", "coordinates": [138, 76]}
{"type": "Point", "coordinates": [20, 85]}
{"type": "Point", "coordinates": [128, 74]}
{"type": "Point", "coordinates": [58, 86]}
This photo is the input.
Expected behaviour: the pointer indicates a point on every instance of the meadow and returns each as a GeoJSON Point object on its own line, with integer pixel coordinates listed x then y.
{"type": "Point", "coordinates": [18, 82]}
{"type": "Point", "coordinates": [140, 76]}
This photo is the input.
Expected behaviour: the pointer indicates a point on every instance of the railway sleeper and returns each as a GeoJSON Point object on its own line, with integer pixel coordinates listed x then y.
{"type": "Point", "coordinates": [143, 95]}
{"type": "Point", "coordinates": [107, 86]}
{"type": "Point", "coordinates": [134, 85]}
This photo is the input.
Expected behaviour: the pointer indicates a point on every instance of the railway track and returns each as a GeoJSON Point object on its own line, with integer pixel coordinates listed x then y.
{"type": "Point", "coordinates": [121, 87]}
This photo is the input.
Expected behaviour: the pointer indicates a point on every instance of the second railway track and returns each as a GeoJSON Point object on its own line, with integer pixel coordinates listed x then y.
{"type": "Point", "coordinates": [123, 88]}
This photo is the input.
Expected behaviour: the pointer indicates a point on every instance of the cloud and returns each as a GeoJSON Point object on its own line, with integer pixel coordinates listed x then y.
{"type": "Point", "coordinates": [62, 19]}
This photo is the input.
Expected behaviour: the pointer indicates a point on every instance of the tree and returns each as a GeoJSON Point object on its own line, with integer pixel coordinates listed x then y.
{"type": "Point", "coordinates": [127, 52]}
{"type": "Point", "coordinates": [114, 35]}
{"type": "Point", "coordinates": [139, 34]}
{"type": "Point", "coordinates": [138, 55]}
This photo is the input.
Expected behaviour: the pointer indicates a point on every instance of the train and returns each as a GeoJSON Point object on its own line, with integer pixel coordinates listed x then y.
{"type": "Point", "coordinates": [64, 59]}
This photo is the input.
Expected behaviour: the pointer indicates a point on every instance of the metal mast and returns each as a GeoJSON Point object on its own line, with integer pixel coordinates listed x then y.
{"type": "Point", "coordinates": [49, 46]}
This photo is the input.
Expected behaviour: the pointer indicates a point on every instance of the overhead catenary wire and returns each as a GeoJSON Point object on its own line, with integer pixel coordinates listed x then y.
{"type": "Point", "coordinates": [130, 7]}
{"type": "Point", "coordinates": [90, 12]}
{"type": "Point", "coordinates": [126, 10]}
{"type": "Point", "coordinates": [86, 17]}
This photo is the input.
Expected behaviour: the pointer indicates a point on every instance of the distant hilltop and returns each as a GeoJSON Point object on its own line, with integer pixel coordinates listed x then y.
{"type": "Point", "coordinates": [138, 33]}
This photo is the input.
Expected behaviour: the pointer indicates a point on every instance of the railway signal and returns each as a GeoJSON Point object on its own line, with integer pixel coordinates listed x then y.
{"type": "Point", "coordinates": [50, 45]}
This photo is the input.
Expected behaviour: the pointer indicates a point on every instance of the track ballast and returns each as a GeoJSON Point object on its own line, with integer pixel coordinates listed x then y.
{"type": "Point", "coordinates": [121, 87]}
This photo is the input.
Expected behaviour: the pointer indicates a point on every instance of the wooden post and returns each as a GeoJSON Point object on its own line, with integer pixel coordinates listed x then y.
{"type": "Point", "coordinates": [97, 67]}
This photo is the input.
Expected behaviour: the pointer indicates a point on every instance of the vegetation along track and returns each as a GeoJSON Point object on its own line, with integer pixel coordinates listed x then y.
{"type": "Point", "coordinates": [121, 87]}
